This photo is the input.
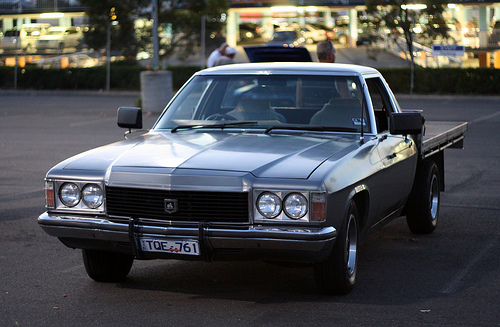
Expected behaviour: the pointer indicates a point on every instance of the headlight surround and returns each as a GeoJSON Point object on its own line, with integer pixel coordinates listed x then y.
{"type": "Point", "coordinates": [288, 206]}
{"type": "Point", "coordinates": [84, 196]}
{"type": "Point", "coordinates": [269, 205]}
{"type": "Point", "coordinates": [295, 205]}
{"type": "Point", "coordinates": [92, 196]}
{"type": "Point", "coordinates": [69, 194]}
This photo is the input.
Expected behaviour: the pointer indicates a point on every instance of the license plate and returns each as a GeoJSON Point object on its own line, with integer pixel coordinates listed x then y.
{"type": "Point", "coordinates": [189, 247]}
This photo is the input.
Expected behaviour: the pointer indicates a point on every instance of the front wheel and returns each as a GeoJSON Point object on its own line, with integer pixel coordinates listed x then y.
{"type": "Point", "coordinates": [104, 266]}
{"type": "Point", "coordinates": [423, 206]}
{"type": "Point", "coordinates": [337, 274]}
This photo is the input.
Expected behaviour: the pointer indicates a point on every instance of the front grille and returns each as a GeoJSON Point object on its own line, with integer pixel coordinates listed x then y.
{"type": "Point", "coordinates": [191, 205]}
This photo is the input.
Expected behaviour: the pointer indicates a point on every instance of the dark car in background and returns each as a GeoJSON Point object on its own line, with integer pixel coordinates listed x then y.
{"type": "Point", "coordinates": [250, 31]}
{"type": "Point", "coordinates": [287, 37]}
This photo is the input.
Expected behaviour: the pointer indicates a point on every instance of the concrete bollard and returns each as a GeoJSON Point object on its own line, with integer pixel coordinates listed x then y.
{"type": "Point", "coordinates": [156, 90]}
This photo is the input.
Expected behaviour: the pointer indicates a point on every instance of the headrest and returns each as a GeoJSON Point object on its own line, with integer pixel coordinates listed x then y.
{"type": "Point", "coordinates": [248, 104]}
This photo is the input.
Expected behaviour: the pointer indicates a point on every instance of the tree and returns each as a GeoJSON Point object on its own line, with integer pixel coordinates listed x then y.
{"type": "Point", "coordinates": [123, 37]}
{"type": "Point", "coordinates": [400, 17]}
{"type": "Point", "coordinates": [180, 26]}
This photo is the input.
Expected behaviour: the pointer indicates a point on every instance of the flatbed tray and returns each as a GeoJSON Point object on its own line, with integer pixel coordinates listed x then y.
{"type": "Point", "coordinates": [442, 134]}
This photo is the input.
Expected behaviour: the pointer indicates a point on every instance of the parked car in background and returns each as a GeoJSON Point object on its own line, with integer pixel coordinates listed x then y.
{"type": "Point", "coordinates": [277, 53]}
{"type": "Point", "coordinates": [311, 33]}
{"type": "Point", "coordinates": [342, 20]}
{"type": "Point", "coordinates": [11, 41]}
{"type": "Point", "coordinates": [249, 31]}
{"type": "Point", "coordinates": [30, 34]}
{"type": "Point", "coordinates": [60, 38]}
{"type": "Point", "coordinates": [494, 38]}
{"type": "Point", "coordinates": [287, 37]}
{"type": "Point", "coordinates": [24, 40]}
{"type": "Point", "coordinates": [329, 31]}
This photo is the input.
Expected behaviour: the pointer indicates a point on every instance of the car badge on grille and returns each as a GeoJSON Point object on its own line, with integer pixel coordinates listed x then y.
{"type": "Point", "coordinates": [171, 205]}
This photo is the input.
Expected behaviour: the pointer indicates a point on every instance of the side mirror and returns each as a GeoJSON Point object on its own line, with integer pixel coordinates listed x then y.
{"type": "Point", "coordinates": [405, 123]}
{"type": "Point", "coordinates": [129, 117]}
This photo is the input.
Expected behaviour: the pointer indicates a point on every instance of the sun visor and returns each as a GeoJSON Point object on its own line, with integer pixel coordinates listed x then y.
{"type": "Point", "coordinates": [277, 54]}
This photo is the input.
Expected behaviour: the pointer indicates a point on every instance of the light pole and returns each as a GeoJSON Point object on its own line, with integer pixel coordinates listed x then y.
{"type": "Point", "coordinates": [108, 61]}
{"type": "Point", "coordinates": [203, 44]}
{"type": "Point", "coordinates": [112, 18]}
{"type": "Point", "coordinates": [16, 42]}
{"type": "Point", "coordinates": [156, 47]}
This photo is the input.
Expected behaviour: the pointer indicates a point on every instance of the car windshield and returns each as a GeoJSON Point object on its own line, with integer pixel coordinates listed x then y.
{"type": "Point", "coordinates": [284, 36]}
{"type": "Point", "coordinates": [55, 32]}
{"type": "Point", "coordinates": [316, 103]}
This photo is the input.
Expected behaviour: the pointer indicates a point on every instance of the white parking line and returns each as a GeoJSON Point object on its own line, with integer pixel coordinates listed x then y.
{"type": "Point", "coordinates": [480, 119]}
{"type": "Point", "coordinates": [454, 284]}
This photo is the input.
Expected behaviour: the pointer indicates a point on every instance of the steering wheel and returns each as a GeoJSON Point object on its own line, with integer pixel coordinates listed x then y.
{"type": "Point", "coordinates": [220, 117]}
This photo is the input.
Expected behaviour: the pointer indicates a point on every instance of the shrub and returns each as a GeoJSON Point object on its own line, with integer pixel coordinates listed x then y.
{"type": "Point", "coordinates": [481, 81]}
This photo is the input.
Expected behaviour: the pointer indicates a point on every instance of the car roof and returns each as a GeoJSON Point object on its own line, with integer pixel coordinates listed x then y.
{"type": "Point", "coordinates": [61, 28]}
{"type": "Point", "coordinates": [32, 25]}
{"type": "Point", "coordinates": [285, 29]}
{"type": "Point", "coordinates": [290, 68]}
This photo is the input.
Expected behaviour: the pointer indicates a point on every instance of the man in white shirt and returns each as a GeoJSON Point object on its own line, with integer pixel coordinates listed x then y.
{"type": "Point", "coordinates": [227, 58]}
{"type": "Point", "coordinates": [217, 53]}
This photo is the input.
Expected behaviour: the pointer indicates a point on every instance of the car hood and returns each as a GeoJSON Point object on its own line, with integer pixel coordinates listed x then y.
{"type": "Point", "coordinates": [263, 155]}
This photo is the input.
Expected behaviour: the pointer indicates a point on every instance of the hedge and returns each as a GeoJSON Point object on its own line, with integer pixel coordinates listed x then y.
{"type": "Point", "coordinates": [122, 77]}
{"type": "Point", "coordinates": [480, 81]}
{"type": "Point", "coordinates": [464, 81]}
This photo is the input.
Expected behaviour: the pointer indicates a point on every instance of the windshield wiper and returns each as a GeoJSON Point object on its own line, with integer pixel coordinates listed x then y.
{"type": "Point", "coordinates": [222, 125]}
{"type": "Point", "coordinates": [313, 128]}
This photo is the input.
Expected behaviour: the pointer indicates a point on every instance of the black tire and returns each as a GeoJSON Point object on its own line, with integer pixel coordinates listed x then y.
{"type": "Point", "coordinates": [337, 275]}
{"type": "Point", "coordinates": [423, 207]}
{"type": "Point", "coordinates": [108, 267]}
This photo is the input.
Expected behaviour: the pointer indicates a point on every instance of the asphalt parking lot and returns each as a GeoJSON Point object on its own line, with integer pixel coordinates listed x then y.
{"type": "Point", "coordinates": [448, 278]}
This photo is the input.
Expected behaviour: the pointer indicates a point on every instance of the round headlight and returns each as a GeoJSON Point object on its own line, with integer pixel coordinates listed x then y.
{"type": "Point", "coordinates": [269, 205]}
{"type": "Point", "coordinates": [69, 194]}
{"type": "Point", "coordinates": [295, 205]}
{"type": "Point", "coordinates": [92, 196]}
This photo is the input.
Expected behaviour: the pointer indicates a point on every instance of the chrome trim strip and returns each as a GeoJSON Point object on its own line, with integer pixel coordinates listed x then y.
{"type": "Point", "coordinates": [255, 237]}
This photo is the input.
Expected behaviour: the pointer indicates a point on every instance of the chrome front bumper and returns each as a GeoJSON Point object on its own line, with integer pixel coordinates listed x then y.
{"type": "Point", "coordinates": [265, 242]}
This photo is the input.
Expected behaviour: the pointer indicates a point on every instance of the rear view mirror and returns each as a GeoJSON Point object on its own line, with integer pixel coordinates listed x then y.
{"type": "Point", "coordinates": [129, 117]}
{"type": "Point", "coordinates": [405, 123]}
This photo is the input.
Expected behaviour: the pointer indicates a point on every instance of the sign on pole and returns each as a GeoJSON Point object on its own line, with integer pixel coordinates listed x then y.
{"type": "Point", "coordinates": [448, 50]}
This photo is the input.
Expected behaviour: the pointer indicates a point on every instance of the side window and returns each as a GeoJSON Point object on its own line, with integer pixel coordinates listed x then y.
{"type": "Point", "coordinates": [381, 104]}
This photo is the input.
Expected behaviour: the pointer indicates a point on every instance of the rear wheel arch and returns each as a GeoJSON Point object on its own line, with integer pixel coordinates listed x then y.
{"type": "Point", "coordinates": [438, 159]}
{"type": "Point", "coordinates": [422, 209]}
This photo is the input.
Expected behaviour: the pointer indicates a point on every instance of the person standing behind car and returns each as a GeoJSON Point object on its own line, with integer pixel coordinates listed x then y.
{"type": "Point", "coordinates": [326, 51]}
{"type": "Point", "coordinates": [227, 58]}
{"type": "Point", "coordinates": [217, 53]}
